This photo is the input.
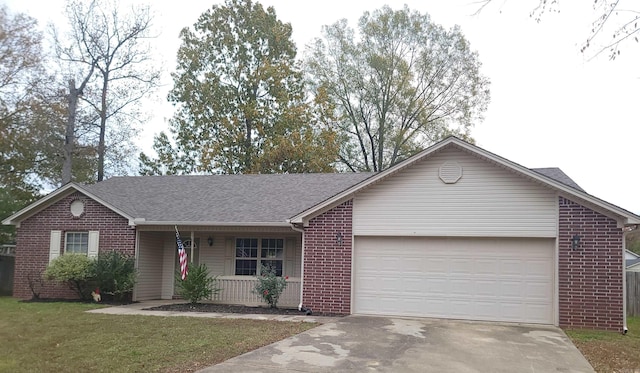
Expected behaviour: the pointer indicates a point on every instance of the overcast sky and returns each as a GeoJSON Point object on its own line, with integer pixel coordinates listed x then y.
{"type": "Point", "coordinates": [550, 107]}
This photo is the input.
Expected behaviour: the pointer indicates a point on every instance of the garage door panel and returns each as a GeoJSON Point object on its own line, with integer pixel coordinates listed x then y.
{"type": "Point", "coordinates": [485, 266]}
{"type": "Point", "coordinates": [537, 268]}
{"type": "Point", "coordinates": [536, 290]}
{"type": "Point", "coordinates": [481, 279]}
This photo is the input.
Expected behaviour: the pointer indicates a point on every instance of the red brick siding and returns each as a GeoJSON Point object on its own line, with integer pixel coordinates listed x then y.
{"type": "Point", "coordinates": [32, 249]}
{"type": "Point", "coordinates": [327, 263]}
{"type": "Point", "coordinates": [590, 277]}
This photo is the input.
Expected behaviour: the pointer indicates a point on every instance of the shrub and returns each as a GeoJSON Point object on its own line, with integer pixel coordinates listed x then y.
{"type": "Point", "coordinates": [198, 284]}
{"type": "Point", "coordinates": [35, 280]}
{"type": "Point", "coordinates": [115, 274]}
{"type": "Point", "coordinates": [75, 270]}
{"type": "Point", "coordinates": [270, 286]}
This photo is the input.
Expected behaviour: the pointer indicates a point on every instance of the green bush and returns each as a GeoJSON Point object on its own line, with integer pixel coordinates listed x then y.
{"type": "Point", "coordinates": [115, 274]}
{"type": "Point", "coordinates": [198, 284]}
{"type": "Point", "coordinates": [270, 286]}
{"type": "Point", "coordinates": [75, 270]}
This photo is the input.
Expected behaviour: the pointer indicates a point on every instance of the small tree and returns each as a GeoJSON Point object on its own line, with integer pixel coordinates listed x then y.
{"type": "Point", "coordinates": [74, 270]}
{"type": "Point", "coordinates": [115, 274]}
{"type": "Point", "coordinates": [198, 284]}
{"type": "Point", "coordinates": [35, 280]}
{"type": "Point", "coordinates": [270, 286]}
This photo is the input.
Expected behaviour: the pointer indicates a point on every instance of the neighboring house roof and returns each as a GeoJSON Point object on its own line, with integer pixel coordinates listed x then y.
{"type": "Point", "coordinates": [632, 262]}
{"type": "Point", "coordinates": [558, 175]}
{"type": "Point", "coordinates": [628, 254]}
{"type": "Point", "coordinates": [623, 216]}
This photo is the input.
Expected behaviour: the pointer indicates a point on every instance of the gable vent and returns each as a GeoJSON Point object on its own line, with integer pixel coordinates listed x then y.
{"type": "Point", "coordinates": [450, 172]}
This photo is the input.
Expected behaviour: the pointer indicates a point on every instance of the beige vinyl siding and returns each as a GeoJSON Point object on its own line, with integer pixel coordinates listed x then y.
{"type": "Point", "coordinates": [168, 264]}
{"type": "Point", "coordinates": [150, 260]}
{"type": "Point", "coordinates": [213, 256]}
{"type": "Point", "coordinates": [487, 200]}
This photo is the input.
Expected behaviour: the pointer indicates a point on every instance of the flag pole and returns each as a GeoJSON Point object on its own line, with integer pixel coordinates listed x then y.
{"type": "Point", "coordinates": [182, 255]}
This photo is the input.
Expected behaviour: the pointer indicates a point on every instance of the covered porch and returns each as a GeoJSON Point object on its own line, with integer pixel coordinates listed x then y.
{"type": "Point", "coordinates": [233, 254]}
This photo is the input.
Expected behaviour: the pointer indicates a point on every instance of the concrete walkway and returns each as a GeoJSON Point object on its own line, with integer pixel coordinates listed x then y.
{"type": "Point", "coordinates": [139, 309]}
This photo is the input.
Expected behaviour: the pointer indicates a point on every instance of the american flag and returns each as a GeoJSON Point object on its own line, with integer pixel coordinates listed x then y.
{"type": "Point", "coordinates": [182, 254]}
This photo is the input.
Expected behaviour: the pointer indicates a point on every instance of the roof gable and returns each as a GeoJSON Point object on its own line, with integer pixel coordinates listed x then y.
{"type": "Point", "coordinates": [56, 196]}
{"type": "Point", "coordinates": [563, 185]}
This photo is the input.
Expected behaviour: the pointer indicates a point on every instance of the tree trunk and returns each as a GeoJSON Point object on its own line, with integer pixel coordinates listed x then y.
{"type": "Point", "coordinates": [69, 138]}
{"type": "Point", "coordinates": [247, 146]}
{"type": "Point", "coordinates": [103, 126]}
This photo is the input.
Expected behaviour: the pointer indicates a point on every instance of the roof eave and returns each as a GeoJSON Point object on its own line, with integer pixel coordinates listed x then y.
{"type": "Point", "coordinates": [142, 222]}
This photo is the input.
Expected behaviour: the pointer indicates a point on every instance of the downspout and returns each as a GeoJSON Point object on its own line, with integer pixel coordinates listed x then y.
{"type": "Point", "coordinates": [136, 254]}
{"type": "Point", "coordinates": [301, 230]}
{"type": "Point", "coordinates": [624, 276]}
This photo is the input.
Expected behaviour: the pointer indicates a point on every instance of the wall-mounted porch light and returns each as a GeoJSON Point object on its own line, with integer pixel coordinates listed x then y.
{"type": "Point", "coordinates": [210, 241]}
{"type": "Point", "coordinates": [339, 238]}
{"type": "Point", "coordinates": [575, 241]}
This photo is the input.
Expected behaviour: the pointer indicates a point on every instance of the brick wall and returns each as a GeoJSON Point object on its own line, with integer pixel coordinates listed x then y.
{"type": "Point", "coordinates": [327, 263]}
{"type": "Point", "coordinates": [590, 277]}
{"type": "Point", "coordinates": [32, 249]}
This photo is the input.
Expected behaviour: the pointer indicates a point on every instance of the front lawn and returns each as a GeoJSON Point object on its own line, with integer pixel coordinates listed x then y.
{"type": "Point", "coordinates": [608, 351]}
{"type": "Point", "coordinates": [61, 337]}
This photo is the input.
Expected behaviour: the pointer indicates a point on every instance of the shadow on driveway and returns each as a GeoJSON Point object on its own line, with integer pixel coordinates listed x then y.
{"type": "Point", "coordinates": [386, 344]}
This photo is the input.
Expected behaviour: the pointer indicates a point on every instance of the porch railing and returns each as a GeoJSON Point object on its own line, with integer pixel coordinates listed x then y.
{"type": "Point", "coordinates": [239, 290]}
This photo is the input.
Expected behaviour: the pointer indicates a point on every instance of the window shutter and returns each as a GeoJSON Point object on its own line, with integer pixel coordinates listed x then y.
{"type": "Point", "coordinates": [54, 245]}
{"type": "Point", "coordinates": [229, 257]}
{"type": "Point", "coordinates": [94, 242]}
{"type": "Point", "coordinates": [289, 251]}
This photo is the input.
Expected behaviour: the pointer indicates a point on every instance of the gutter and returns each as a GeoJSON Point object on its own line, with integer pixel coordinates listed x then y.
{"type": "Point", "coordinates": [143, 222]}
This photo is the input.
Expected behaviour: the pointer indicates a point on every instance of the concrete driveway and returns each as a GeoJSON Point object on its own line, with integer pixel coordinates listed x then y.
{"type": "Point", "coordinates": [384, 344]}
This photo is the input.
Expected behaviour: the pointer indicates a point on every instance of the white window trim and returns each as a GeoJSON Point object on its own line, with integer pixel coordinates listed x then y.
{"type": "Point", "coordinates": [259, 258]}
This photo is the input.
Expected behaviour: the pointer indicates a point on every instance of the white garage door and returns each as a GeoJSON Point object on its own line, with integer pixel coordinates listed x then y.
{"type": "Point", "coordinates": [462, 278]}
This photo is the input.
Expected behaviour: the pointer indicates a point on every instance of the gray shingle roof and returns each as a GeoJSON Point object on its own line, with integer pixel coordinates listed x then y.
{"type": "Point", "coordinates": [630, 262]}
{"type": "Point", "coordinates": [272, 198]}
{"type": "Point", "coordinates": [558, 175]}
{"type": "Point", "coordinates": [221, 198]}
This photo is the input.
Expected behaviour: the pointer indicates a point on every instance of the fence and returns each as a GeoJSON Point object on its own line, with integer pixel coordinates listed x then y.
{"type": "Point", "coordinates": [633, 293]}
{"type": "Point", "coordinates": [239, 290]}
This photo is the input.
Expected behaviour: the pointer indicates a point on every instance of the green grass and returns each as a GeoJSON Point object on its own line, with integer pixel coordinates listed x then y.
{"type": "Point", "coordinates": [61, 337]}
{"type": "Point", "coordinates": [610, 351]}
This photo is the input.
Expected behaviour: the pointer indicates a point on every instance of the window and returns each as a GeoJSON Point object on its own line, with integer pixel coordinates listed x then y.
{"type": "Point", "coordinates": [76, 242]}
{"type": "Point", "coordinates": [253, 253]}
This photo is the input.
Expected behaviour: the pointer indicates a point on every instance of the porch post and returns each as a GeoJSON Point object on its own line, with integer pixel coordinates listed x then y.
{"type": "Point", "coordinates": [193, 243]}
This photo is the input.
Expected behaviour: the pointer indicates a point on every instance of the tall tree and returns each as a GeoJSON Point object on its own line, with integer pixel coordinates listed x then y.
{"type": "Point", "coordinates": [614, 22]}
{"type": "Point", "coordinates": [399, 84]}
{"type": "Point", "coordinates": [240, 100]}
{"type": "Point", "coordinates": [21, 68]}
{"type": "Point", "coordinates": [110, 52]}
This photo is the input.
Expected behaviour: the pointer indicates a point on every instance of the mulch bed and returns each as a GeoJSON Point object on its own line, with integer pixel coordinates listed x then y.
{"type": "Point", "coordinates": [227, 308]}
